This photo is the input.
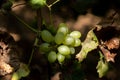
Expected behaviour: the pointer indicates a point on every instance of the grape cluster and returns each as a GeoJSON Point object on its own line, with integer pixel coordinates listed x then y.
{"type": "Point", "coordinates": [61, 45]}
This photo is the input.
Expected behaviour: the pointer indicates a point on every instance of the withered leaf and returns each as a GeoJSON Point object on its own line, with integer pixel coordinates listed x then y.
{"type": "Point", "coordinates": [113, 43]}
{"type": "Point", "coordinates": [90, 43]}
{"type": "Point", "coordinates": [108, 56]}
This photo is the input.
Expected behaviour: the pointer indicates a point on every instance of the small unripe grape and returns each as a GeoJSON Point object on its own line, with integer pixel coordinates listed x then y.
{"type": "Point", "coordinates": [69, 40]}
{"type": "Point", "coordinates": [44, 47]}
{"type": "Point", "coordinates": [75, 34]}
{"type": "Point", "coordinates": [64, 50]}
{"type": "Point", "coordinates": [59, 38]}
{"type": "Point", "coordinates": [63, 28]}
{"type": "Point", "coordinates": [47, 36]}
{"type": "Point", "coordinates": [60, 58]}
{"type": "Point", "coordinates": [37, 3]}
{"type": "Point", "coordinates": [68, 56]}
{"type": "Point", "coordinates": [72, 50]}
{"type": "Point", "coordinates": [77, 42]}
{"type": "Point", "coordinates": [52, 56]}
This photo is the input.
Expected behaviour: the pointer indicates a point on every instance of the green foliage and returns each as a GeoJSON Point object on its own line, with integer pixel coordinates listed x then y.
{"type": "Point", "coordinates": [102, 66]}
{"type": "Point", "coordinates": [15, 76]}
{"type": "Point", "coordinates": [23, 71]}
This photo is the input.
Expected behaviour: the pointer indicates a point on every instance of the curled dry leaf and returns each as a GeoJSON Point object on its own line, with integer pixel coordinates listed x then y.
{"type": "Point", "coordinates": [5, 68]}
{"type": "Point", "coordinates": [108, 56]}
{"type": "Point", "coordinates": [9, 54]}
{"type": "Point", "coordinates": [113, 43]}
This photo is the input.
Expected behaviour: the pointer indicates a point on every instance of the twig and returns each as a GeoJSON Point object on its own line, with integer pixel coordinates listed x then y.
{"type": "Point", "coordinates": [18, 5]}
{"type": "Point", "coordinates": [53, 3]}
{"type": "Point", "coordinates": [31, 56]}
{"type": "Point", "coordinates": [49, 7]}
{"type": "Point", "coordinates": [29, 27]}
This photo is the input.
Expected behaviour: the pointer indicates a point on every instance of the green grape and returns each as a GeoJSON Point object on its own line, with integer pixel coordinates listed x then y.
{"type": "Point", "coordinates": [64, 50]}
{"type": "Point", "coordinates": [75, 34]}
{"type": "Point", "coordinates": [77, 42]}
{"type": "Point", "coordinates": [69, 40]}
{"type": "Point", "coordinates": [52, 56]}
{"type": "Point", "coordinates": [72, 50]}
{"type": "Point", "coordinates": [59, 38]}
{"type": "Point", "coordinates": [36, 4]}
{"type": "Point", "coordinates": [60, 58]}
{"type": "Point", "coordinates": [68, 56]}
{"type": "Point", "coordinates": [63, 28]}
{"type": "Point", "coordinates": [47, 36]}
{"type": "Point", "coordinates": [44, 47]}
{"type": "Point", "coordinates": [52, 29]}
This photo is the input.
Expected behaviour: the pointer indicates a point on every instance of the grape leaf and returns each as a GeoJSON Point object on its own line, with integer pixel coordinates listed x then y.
{"type": "Point", "coordinates": [102, 67]}
{"type": "Point", "coordinates": [15, 76]}
{"type": "Point", "coordinates": [90, 43]}
{"type": "Point", "coordinates": [23, 71]}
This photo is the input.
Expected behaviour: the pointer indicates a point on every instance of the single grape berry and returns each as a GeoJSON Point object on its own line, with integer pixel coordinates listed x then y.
{"type": "Point", "coordinates": [75, 34]}
{"type": "Point", "coordinates": [52, 57]}
{"type": "Point", "coordinates": [64, 50]}
{"type": "Point", "coordinates": [60, 58]}
{"type": "Point", "coordinates": [77, 42]}
{"type": "Point", "coordinates": [69, 40]}
{"type": "Point", "coordinates": [63, 28]}
{"type": "Point", "coordinates": [47, 36]}
{"type": "Point", "coordinates": [44, 47]}
{"type": "Point", "coordinates": [36, 4]}
{"type": "Point", "coordinates": [68, 56]}
{"type": "Point", "coordinates": [72, 50]}
{"type": "Point", "coordinates": [59, 38]}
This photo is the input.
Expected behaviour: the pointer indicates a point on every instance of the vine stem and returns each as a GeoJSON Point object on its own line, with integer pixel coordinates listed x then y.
{"type": "Point", "coordinates": [33, 49]}
{"type": "Point", "coordinates": [36, 39]}
{"type": "Point", "coordinates": [29, 27]}
{"type": "Point", "coordinates": [49, 7]}
{"type": "Point", "coordinates": [53, 3]}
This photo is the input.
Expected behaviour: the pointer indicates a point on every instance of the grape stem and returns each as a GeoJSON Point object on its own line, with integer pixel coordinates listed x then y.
{"type": "Point", "coordinates": [34, 30]}
{"type": "Point", "coordinates": [49, 7]}
{"type": "Point", "coordinates": [33, 49]}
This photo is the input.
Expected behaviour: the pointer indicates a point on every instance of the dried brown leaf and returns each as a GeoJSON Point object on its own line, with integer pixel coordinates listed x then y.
{"type": "Point", "coordinates": [108, 56]}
